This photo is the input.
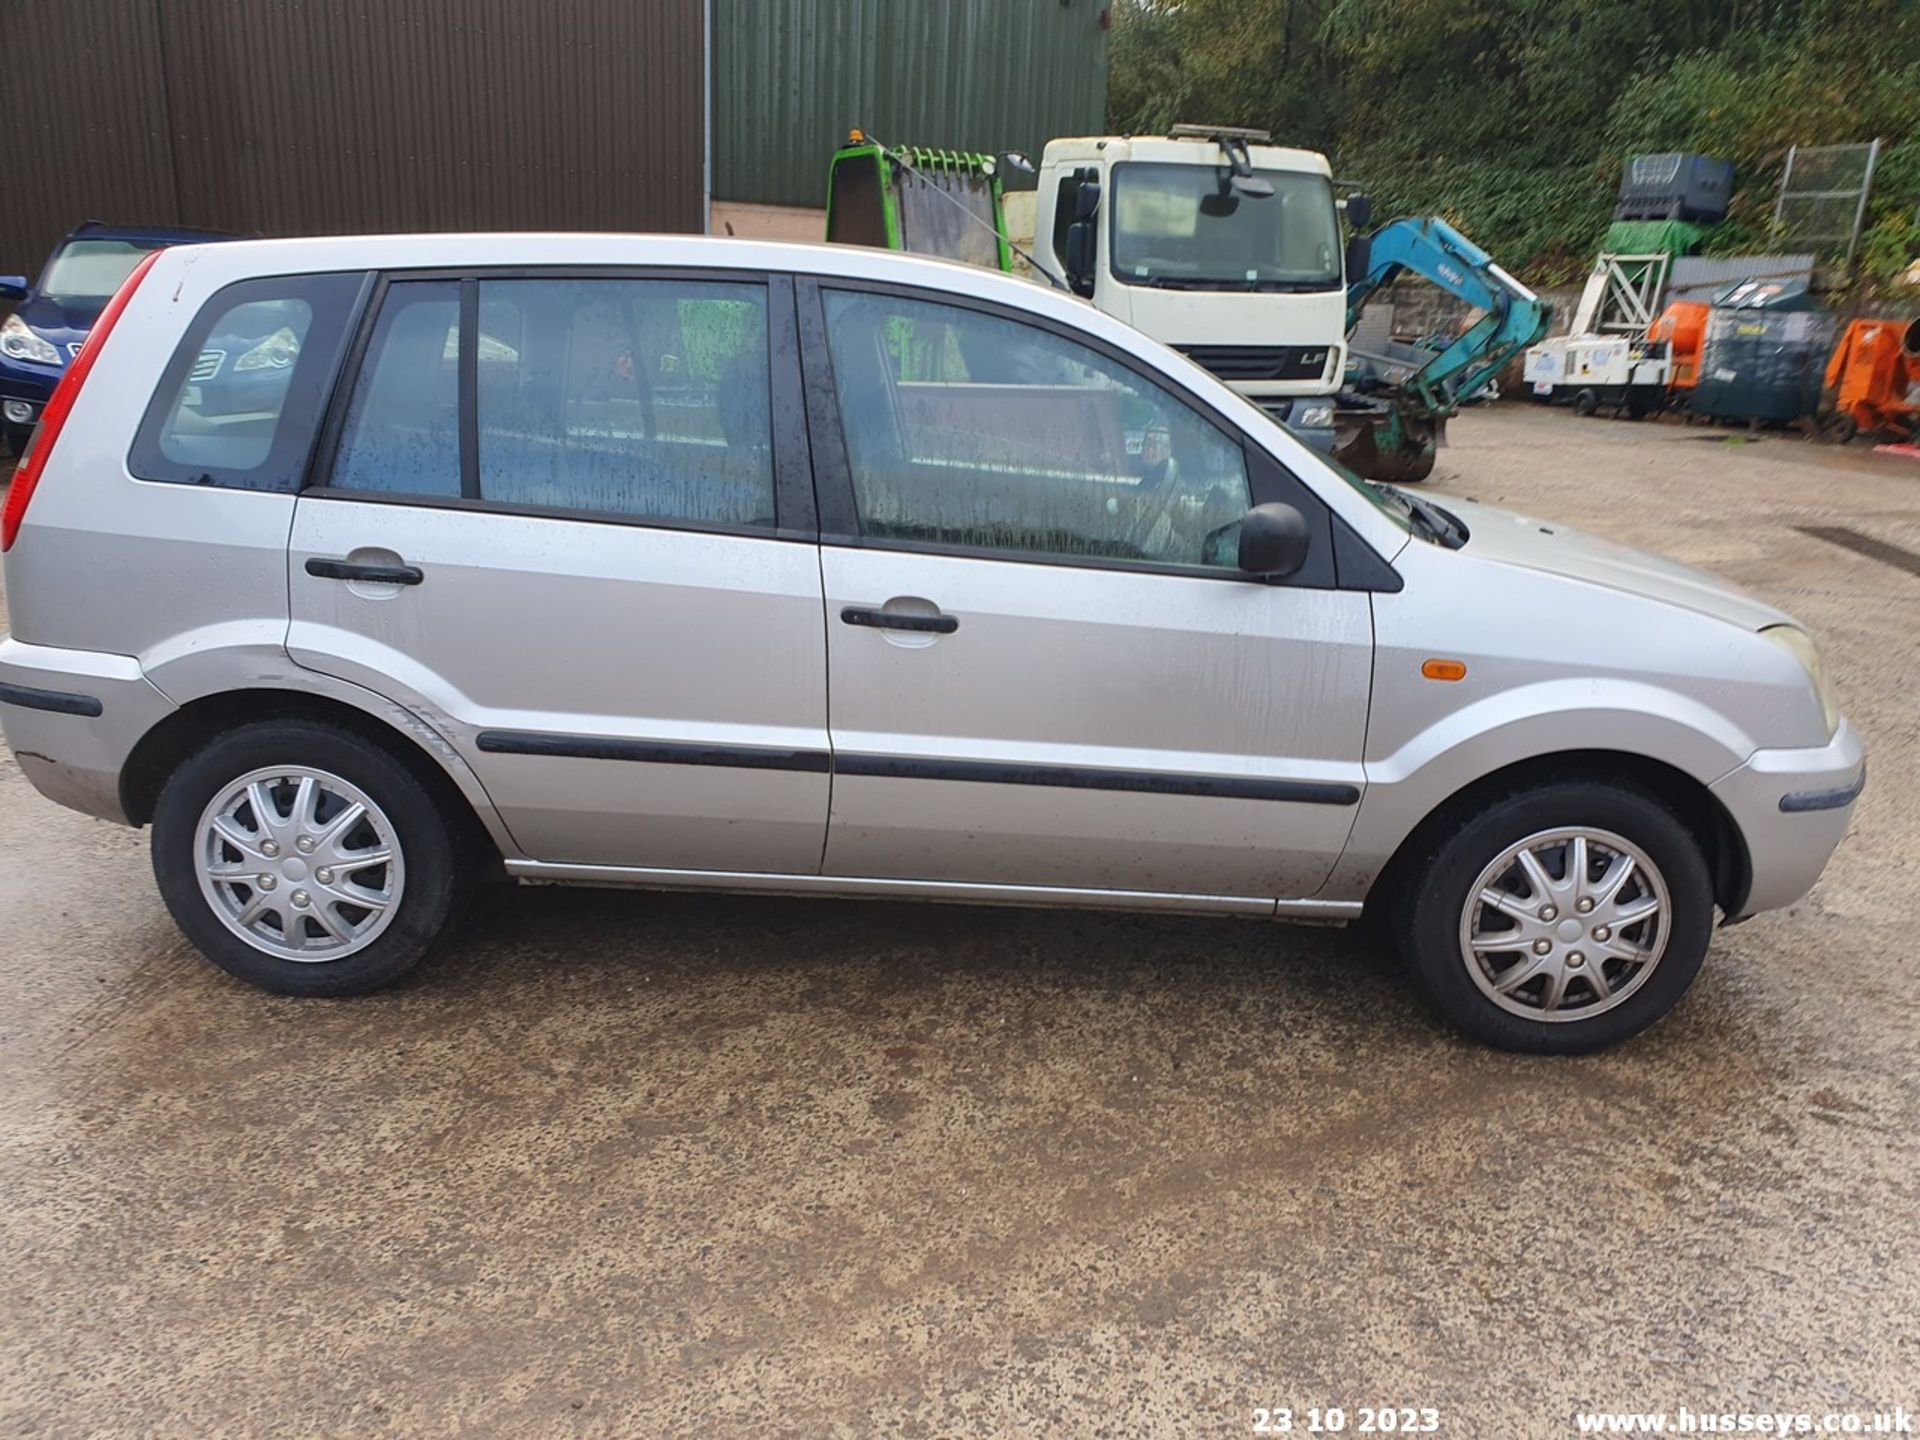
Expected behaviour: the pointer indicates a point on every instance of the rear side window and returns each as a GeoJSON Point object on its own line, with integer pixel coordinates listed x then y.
{"type": "Point", "coordinates": [402, 433]}
{"type": "Point", "coordinates": [242, 398]}
{"type": "Point", "coordinates": [639, 398]}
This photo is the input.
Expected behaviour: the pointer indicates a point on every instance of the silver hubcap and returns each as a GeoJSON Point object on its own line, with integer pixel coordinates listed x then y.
{"type": "Point", "coordinates": [1565, 924]}
{"type": "Point", "coordinates": [299, 863]}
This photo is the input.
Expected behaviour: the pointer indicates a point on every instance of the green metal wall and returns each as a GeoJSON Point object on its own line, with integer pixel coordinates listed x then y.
{"type": "Point", "coordinates": [791, 76]}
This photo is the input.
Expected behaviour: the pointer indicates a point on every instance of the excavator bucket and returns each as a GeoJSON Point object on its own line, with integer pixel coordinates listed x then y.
{"type": "Point", "coordinates": [1384, 445]}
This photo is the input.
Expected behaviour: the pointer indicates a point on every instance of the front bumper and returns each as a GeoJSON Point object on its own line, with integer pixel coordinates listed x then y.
{"type": "Point", "coordinates": [72, 717]}
{"type": "Point", "coordinates": [1292, 410]}
{"type": "Point", "coordinates": [32, 383]}
{"type": "Point", "coordinates": [1792, 807]}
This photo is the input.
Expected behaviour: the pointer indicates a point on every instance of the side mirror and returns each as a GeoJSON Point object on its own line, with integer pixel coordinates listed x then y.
{"type": "Point", "coordinates": [1080, 257]}
{"type": "Point", "coordinates": [1273, 541]}
{"type": "Point", "coordinates": [1086, 199]}
{"type": "Point", "coordinates": [1359, 211]}
{"type": "Point", "coordinates": [1359, 256]}
{"type": "Point", "coordinates": [13, 287]}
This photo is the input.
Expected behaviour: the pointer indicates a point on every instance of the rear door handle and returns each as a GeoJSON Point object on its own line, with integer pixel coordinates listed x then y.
{"type": "Point", "coordinates": [378, 574]}
{"type": "Point", "coordinates": [899, 620]}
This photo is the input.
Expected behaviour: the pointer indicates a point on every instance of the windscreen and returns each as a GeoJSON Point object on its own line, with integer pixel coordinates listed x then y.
{"type": "Point", "coordinates": [92, 269]}
{"type": "Point", "coordinates": [1185, 227]}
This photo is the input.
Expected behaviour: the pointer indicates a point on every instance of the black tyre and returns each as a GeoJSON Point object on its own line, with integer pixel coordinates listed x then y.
{"type": "Point", "coordinates": [1585, 402]}
{"type": "Point", "coordinates": [1556, 920]}
{"type": "Point", "coordinates": [17, 437]}
{"type": "Point", "coordinates": [306, 859]}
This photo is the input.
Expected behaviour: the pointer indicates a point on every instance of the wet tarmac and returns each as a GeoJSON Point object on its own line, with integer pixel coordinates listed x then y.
{"type": "Point", "coordinates": [630, 1165]}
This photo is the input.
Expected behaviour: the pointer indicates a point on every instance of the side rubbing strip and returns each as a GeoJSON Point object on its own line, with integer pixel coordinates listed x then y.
{"type": "Point", "coordinates": [1800, 801]}
{"type": "Point", "coordinates": [1075, 777]}
{"type": "Point", "coordinates": [60, 702]}
{"type": "Point", "coordinates": [651, 752]}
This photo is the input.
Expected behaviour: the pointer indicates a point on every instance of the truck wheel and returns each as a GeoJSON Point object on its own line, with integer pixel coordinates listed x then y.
{"type": "Point", "coordinates": [1585, 402]}
{"type": "Point", "coordinates": [1557, 920]}
{"type": "Point", "coordinates": [307, 860]}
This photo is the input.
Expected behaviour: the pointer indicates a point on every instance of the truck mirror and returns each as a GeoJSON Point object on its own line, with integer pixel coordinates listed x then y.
{"type": "Point", "coordinates": [1359, 256]}
{"type": "Point", "coordinates": [1080, 252]}
{"type": "Point", "coordinates": [1359, 211]}
{"type": "Point", "coordinates": [1086, 200]}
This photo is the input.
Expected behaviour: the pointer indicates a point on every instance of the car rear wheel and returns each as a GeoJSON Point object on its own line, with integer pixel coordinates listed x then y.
{"type": "Point", "coordinates": [1561, 919]}
{"type": "Point", "coordinates": [305, 859]}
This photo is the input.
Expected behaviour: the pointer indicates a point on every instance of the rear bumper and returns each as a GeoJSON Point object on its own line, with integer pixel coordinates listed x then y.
{"type": "Point", "coordinates": [72, 717]}
{"type": "Point", "coordinates": [1792, 807]}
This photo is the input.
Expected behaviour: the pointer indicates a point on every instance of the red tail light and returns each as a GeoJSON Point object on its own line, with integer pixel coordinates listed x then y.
{"type": "Point", "coordinates": [34, 462]}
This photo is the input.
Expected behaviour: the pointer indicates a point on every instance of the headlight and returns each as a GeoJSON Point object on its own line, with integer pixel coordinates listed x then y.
{"type": "Point", "coordinates": [1797, 643]}
{"type": "Point", "coordinates": [18, 342]}
{"type": "Point", "coordinates": [1313, 417]}
{"type": "Point", "coordinates": [276, 352]}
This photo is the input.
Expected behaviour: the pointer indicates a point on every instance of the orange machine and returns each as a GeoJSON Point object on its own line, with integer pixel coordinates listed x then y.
{"type": "Point", "coordinates": [1683, 326]}
{"type": "Point", "coordinates": [1875, 379]}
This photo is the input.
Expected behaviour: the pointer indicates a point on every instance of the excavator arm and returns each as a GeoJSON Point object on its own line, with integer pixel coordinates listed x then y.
{"type": "Point", "coordinates": [1432, 249]}
{"type": "Point", "coordinates": [1401, 425]}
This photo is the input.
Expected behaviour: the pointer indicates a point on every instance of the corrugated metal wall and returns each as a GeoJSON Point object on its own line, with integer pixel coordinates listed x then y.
{"type": "Point", "coordinates": [81, 128]}
{"type": "Point", "coordinates": [333, 116]}
{"type": "Point", "coordinates": [791, 76]}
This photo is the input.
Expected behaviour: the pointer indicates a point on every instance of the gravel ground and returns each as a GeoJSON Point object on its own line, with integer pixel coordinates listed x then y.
{"type": "Point", "coordinates": [629, 1165]}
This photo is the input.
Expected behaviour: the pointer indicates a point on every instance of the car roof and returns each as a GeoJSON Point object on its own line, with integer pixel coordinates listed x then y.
{"type": "Point", "coordinates": [171, 234]}
{"type": "Point", "coordinates": [530, 250]}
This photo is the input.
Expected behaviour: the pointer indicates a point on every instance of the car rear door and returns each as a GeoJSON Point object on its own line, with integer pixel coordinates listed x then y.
{"type": "Point", "coordinates": [1044, 668]}
{"type": "Point", "coordinates": [566, 520]}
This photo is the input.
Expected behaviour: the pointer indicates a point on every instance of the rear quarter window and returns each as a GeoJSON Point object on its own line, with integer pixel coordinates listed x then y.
{"type": "Point", "coordinates": [242, 398]}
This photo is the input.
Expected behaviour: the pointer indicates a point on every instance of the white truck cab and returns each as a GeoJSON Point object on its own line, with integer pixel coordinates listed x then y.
{"type": "Point", "coordinates": [1216, 243]}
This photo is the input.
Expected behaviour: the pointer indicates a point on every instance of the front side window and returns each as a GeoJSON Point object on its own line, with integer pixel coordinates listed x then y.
{"type": "Point", "coordinates": [1186, 227]}
{"type": "Point", "coordinates": [642, 398]}
{"type": "Point", "coordinates": [242, 398]}
{"type": "Point", "coordinates": [970, 429]}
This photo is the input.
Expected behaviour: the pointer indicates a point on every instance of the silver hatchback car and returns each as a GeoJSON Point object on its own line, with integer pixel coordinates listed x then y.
{"type": "Point", "coordinates": [359, 568]}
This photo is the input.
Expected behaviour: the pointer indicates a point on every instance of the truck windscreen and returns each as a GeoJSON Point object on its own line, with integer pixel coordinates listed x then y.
{"type": "Point", "coordinates": [1184, 227]}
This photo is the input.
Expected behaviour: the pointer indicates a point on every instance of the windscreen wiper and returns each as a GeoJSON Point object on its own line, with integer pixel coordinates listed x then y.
{"type": "Point", "coordinates": [1439, 526]}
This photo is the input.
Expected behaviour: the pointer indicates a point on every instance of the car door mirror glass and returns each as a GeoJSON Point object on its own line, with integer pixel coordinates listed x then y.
{"type": "Point", "coordinates": [1273, 541]}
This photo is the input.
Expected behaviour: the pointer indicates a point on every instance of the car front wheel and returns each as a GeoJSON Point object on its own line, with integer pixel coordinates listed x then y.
{"type": "Point", "coordinates": [305, 859]}
{"type": "Point", "coordinates": [1559, 920]}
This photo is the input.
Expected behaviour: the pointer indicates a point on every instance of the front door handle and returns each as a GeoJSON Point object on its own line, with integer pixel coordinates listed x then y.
{"type": "Point", "coordinates": [378, 574]}
{"type": "Point", "coordinates": [935, 624]}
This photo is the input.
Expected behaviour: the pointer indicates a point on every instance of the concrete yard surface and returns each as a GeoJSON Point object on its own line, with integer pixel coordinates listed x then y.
{"type": "Point", "coordinates": [619, 1164]}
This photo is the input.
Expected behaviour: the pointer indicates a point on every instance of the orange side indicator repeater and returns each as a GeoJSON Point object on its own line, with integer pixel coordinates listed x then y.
{"type": "Point", "coordinates": [1444, 669]}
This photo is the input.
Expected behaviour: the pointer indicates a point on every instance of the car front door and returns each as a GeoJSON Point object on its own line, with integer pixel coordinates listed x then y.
{"type": "Point", "coordinates": [561, 523]}
{"type": "Point", "coordinates": [1045, 669]}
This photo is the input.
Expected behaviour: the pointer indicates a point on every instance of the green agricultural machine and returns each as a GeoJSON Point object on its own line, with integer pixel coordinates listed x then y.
{"type": "Point", "coordinates": [870, 202]}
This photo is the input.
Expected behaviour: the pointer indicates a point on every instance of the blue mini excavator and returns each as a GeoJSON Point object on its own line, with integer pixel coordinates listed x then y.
{"type": "Point", "coordinates": [1394, 411]}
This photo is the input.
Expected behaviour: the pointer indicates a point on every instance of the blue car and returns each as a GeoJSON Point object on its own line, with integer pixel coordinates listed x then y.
{"type": "Point", "coordinates": [48, 325]}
